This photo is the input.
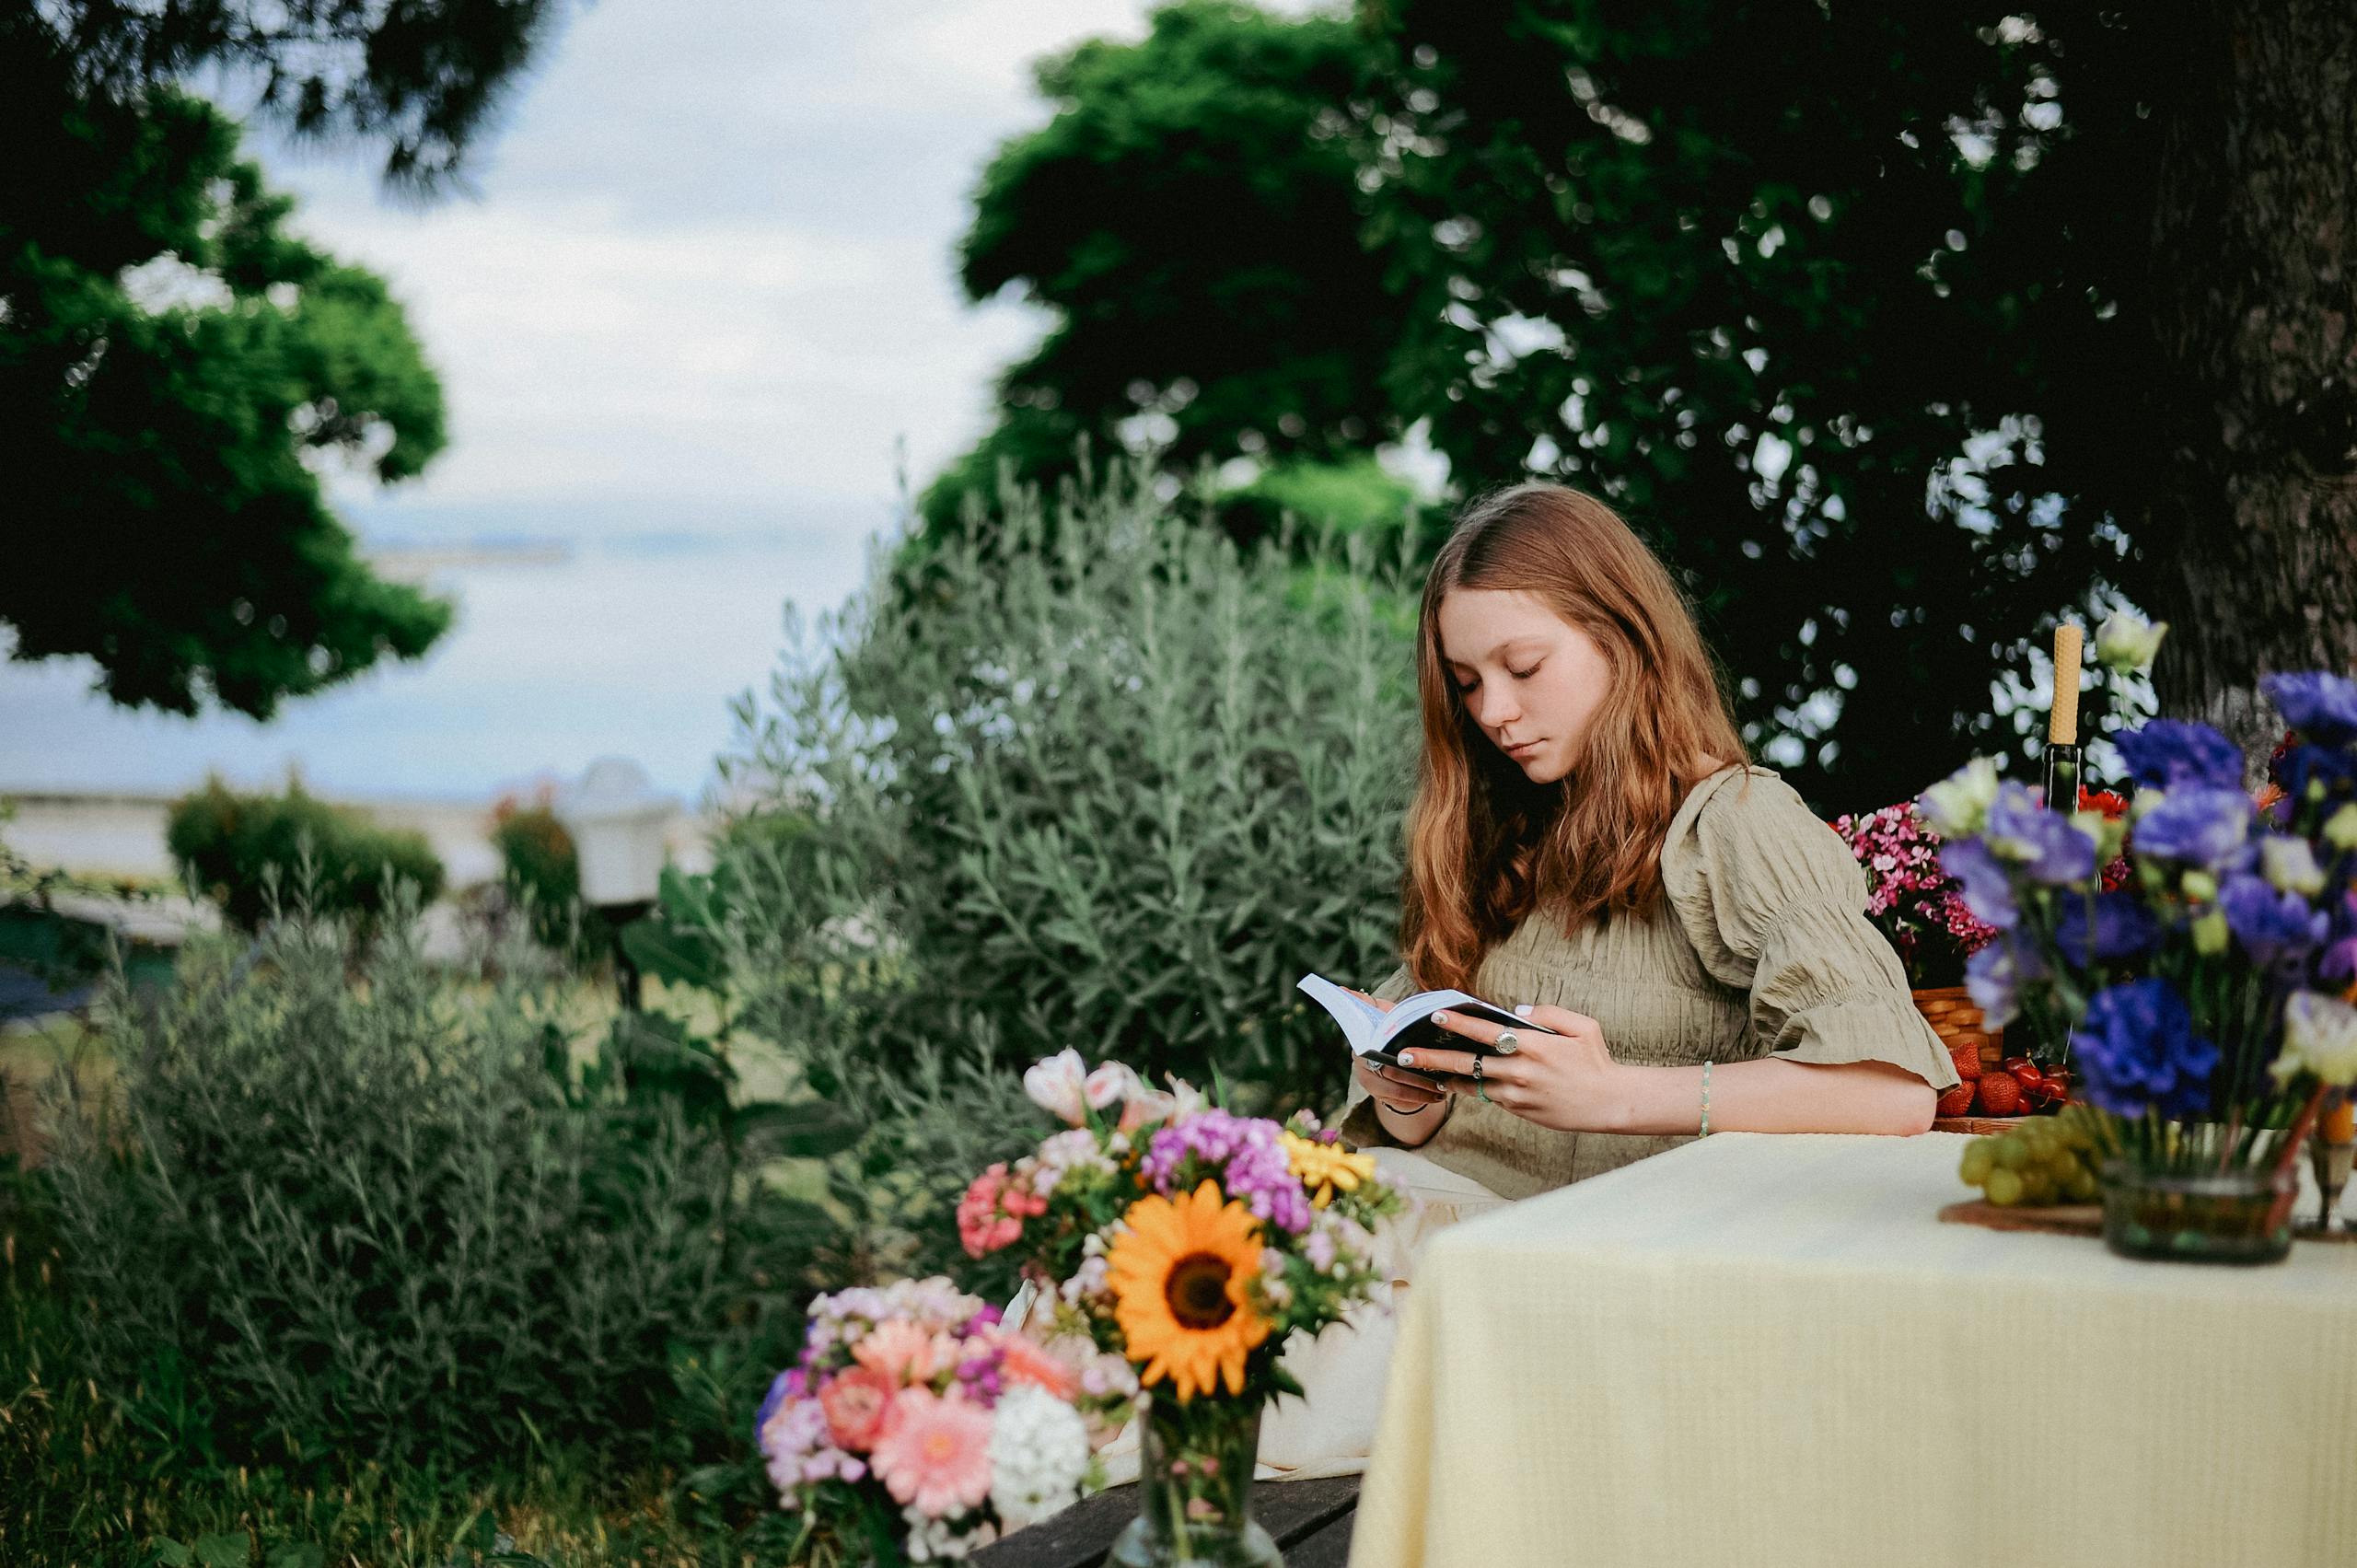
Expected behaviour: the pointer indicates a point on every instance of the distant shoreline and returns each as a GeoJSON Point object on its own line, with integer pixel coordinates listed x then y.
{"type": "Point", "coordinates": [120, 834]}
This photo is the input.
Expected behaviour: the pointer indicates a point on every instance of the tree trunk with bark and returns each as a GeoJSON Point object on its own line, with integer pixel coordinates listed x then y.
{"type": "Point", "coordinates": [2250, 539]}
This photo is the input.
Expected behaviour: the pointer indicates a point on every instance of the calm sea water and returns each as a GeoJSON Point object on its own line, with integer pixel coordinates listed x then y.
{"type": "Point", "coordinates": [630, 646]}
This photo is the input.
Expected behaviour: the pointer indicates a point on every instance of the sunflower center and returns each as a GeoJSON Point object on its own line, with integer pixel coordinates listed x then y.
{"type": "Point", "coordinates": [1196, 1289]}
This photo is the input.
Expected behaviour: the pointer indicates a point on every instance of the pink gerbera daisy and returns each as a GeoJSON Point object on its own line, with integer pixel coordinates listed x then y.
{"type": "Point", "coordinates": [899, 1350]}
{"type": "Point", "coordinates": [935, 1453]}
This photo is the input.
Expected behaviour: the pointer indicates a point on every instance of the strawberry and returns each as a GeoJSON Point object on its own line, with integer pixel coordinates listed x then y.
{"type": "Point", "coordinates": [1957, 1101]}
{"type": "Point", "coordinates": [1967, 1060]}
{"type": "Point", "coordinates": [2000, 1094]}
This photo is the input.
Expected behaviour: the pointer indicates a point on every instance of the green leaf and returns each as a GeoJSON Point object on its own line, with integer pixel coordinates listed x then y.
{"type": "Point", "coordinates": [171, 1554]}
{"type": "Point", "coordinates": [671, 955]}
{"type": "Point", "coordinates": [232, 1551]}
{"type": "Point", "coordinates": [811, 1131]}
{"type": "Point", "coordinates": [296, 1554]}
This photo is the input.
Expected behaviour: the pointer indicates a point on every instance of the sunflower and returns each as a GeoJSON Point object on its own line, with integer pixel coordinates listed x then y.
{"type": "Point", "coordinates": [1179, 1275]}
{"type": "Point", "coordinates": [1326, 1168]}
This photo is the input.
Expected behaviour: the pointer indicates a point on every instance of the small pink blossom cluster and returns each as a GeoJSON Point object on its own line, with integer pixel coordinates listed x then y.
{"type": "Point", "coordinates": [1909, 897]}
{"type": "Point", "coordinates": [914, 1404]}
{"type": "Point", "coordinates": [992, 1212]}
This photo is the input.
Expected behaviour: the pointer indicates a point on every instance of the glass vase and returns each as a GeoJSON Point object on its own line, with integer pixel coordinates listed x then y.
{"type": "Point", "coordinates": [2233, 1216]}
{"type": "Point", "coordinates": [1195, 1489]}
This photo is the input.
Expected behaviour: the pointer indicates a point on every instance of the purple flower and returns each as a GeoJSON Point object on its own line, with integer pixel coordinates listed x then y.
{"type": "Point", "coordinates": [2271, 925]}
{"type": "Point", "coordinates": [2136, 1051]}
{"type": "Point", "coordinates": [2123, 927]}
{"type": "Point", "coordinates": [2171, 754]}
{"type": "Point", "coordinates": [1987, 892]}
{"type": "Point", "coordinates": [2047, 846]}
{"type": "Point", "coordinates": [1245, 1156]}
{"type": "Point", "coordinates": [2198, 825]}
{"type": "Point", "coordinates": [2337, 771]}
{"type": "Point", "coordinates": [1996, 974]}
{"type": "Point", "coordinates": [2322, 706]}
{"type": "Point", "coordinates": [786, 1385]}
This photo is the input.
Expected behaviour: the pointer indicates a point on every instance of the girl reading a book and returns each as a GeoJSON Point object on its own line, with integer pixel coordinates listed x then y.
{"type": "Point", "coordinates": [1590, 846]}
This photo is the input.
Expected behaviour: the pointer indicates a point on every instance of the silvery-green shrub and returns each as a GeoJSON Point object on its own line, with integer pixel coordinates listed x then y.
{"type": "Point", "coordinates": [338, 1202]}
{"type": "Point", "coordinates": [1095, 780]}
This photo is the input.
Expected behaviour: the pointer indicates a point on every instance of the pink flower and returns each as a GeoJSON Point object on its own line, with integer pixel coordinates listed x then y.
{"type": "Point", "coordinates": [1057, 1085]}
{"type": "Point", "coordinates": [898, 1349]}
{"type": "Point", "coordinates": [992, 1212]}
{"type": "Point", "coordinates": [1022, 1361]}
{"type": "Point", "coordinates": [1109, 1084]}
{"type": "Point", "coordinates": [936, 1454]}
{"type": "Point", "coordinates": [856, 1402]}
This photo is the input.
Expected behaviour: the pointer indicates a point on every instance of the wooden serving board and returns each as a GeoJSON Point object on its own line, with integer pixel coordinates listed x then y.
{"type": "Point", "coordinates": [2077, 1219]}
{"type": "Point", "coordinates": [1978, 1124]}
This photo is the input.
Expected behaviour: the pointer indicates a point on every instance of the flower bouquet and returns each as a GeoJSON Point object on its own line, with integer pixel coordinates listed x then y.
{"type": "Point", "coordinates": [2205, 1003]}
{"type": "Point", "coordinates": [915, 1426]}
{"type": "Point", "coordinates": [1191, 1243]}
{"type": "Point", "coordinates": [1919, 907]}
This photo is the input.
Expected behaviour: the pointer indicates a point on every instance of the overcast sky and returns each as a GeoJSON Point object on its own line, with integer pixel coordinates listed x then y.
{"type": "Point", "coordinates": [708, 270]}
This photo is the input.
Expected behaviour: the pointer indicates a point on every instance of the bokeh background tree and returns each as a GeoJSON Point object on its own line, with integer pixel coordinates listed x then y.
{"type": "Point", "coordinates": [178, 370]}
{"type": "Point", "coordinates": [1889, 326]}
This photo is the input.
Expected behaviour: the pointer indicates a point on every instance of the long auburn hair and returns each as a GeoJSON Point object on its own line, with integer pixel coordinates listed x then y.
{"type": "Point", "coordinates": [1485, 845]}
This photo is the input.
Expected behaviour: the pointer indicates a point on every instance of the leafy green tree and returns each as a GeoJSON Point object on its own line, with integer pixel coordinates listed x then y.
{"type": "Point", "coordinates": [175, 363]}
{"type": "Point", "coordinates": [176, 369]}
{"type": "Point", "coordinates": [423, 77]}
{"type": "Point", "coordinates": [1190, 215]}
{"type": "Point", "coordinates": [1900, 330]}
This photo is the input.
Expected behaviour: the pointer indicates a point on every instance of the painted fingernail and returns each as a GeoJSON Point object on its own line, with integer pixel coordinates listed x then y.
{"type": "Point", "coordinates": [1407, 1059]}
{"type": "Point", "coordinates": [1522, 1009]}
{"type": "Point", "coordinates": [1441, 1018]}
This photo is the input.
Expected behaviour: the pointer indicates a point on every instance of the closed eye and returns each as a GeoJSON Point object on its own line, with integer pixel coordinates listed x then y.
{"type": "Point", "coordinates": [1465, 688]}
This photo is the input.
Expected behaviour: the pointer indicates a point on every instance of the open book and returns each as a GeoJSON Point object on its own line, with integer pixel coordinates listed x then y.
{"type": "Point", "coordinates": [1382, 1035]}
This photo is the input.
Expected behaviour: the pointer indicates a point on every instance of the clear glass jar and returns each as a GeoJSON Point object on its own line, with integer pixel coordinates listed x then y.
{"type": "Point", "coordinates": [2234, 1217]}
{"type": "Point", "coordinates": [1195, 1489]}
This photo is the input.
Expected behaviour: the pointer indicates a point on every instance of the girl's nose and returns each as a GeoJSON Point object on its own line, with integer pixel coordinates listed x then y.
{"type": "Point", "coordinates": [1496, 706]}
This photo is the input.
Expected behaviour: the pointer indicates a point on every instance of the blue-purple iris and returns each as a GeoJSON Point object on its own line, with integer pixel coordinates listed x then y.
{"type": "Point", "coordinates": [2048, 847]}
{"type": "Point", "coordinates": [2171, 754]}
{"type": "Point", "coordinates": [2137, 1052]}
{"type": "Point", "coordinates": [2196, 825]}
{"type": "Point", "coordinates": [1987, 892]}
{"type": "Point", "coordinates": [2337, 769]}
{"type": "Point", "coordinates": [1995, 975]}
{"type": "Point", "coordinates": [2271, 925]}
{"type": "Point", "coordinates": [2123, 927]}
{"type": "Point", "coordinates": [2322, 706]}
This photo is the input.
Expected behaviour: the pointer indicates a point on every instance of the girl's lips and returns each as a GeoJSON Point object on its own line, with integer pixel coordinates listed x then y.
{"type": "Point", "coordinates": [1522, 749]}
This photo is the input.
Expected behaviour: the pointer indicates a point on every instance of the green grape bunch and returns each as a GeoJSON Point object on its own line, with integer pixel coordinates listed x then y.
{"type": "Point", "coordinates": [2047, 1159]}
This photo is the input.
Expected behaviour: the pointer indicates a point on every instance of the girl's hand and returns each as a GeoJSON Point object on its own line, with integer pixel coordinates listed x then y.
{"type": "Point", "coordinates": [1404, 1093]}
{"type": "Point", "coordinates": [1565, 1080]}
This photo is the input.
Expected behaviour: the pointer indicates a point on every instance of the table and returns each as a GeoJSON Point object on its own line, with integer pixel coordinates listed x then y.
{"type": "Point", "coordinates": [1765, 1349]}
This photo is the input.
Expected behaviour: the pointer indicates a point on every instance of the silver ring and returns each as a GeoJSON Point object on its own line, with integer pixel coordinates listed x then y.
{"type": "Point", "coordinates": [1507, 1042]}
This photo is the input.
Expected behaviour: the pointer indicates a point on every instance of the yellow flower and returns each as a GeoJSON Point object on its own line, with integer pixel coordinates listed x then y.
{"type": "Point", "coordinates": [1326, 1168]}
{"type": "Point", "coordinates": [1179, 1275]}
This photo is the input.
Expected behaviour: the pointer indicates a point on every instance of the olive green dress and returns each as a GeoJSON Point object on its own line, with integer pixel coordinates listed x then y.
{"type": "Point", "coordinates": [1762, 948]}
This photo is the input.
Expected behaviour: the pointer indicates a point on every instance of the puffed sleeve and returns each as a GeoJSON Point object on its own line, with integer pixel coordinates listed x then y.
{"type": "Point", "coordinates": [1359, 1127]}
{"type": "Point", "coordinates": [1774, 905]}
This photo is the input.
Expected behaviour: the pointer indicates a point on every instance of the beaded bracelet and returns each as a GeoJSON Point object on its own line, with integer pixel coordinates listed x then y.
{"type": "Point", "coordinates": [1706, 1100]}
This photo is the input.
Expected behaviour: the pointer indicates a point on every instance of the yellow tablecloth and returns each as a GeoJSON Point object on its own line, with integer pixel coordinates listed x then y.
{"type": "Point", "coordinates": [1760, 1350]}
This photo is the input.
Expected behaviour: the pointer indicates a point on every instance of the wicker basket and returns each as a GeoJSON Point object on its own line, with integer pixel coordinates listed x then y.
{"type": "Point", "coordinates": [1949, 1010]}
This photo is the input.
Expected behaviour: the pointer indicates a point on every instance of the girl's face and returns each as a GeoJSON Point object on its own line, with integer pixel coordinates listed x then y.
{"type": "Point", "coordinates": [1530, 677]}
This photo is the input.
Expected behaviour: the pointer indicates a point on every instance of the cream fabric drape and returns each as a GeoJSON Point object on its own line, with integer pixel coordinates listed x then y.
{"type": "Point", "coordinates": [1765, 1349]}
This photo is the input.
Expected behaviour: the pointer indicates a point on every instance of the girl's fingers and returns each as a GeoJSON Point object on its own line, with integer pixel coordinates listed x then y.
{"type": "Point", "coordinates": [1424, 1059]}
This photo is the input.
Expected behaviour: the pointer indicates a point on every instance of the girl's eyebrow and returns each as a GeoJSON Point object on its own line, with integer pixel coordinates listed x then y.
{"type": "Point", "coordinates": [1502, 647]}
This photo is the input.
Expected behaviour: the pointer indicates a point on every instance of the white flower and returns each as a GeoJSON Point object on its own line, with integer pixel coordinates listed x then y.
{"type": "Point", "coordinates": [2290, 865]}
{"type": "Point", "coordinates": [1189, 1099]}
{"type": "Point", "coordinates": [1038, 1449]}
{"type": "Point", "coordinates": [932, 1541]}
{"type": "Point", "coordinates": [1057, 1085]}
{"type": "Point", "coordinates": [1957, 807]}
{"type": "Point", "coordinates": [1109, 1084]}
{"type": "Point", "coordinates": [1147, 1106]}
{"type": "Point", "coordinates": [2127, 641]}
{"type": "Point", "coordinates": [2340, 828]}
{"type": "Point", "coordinates": [2319, 1036]}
